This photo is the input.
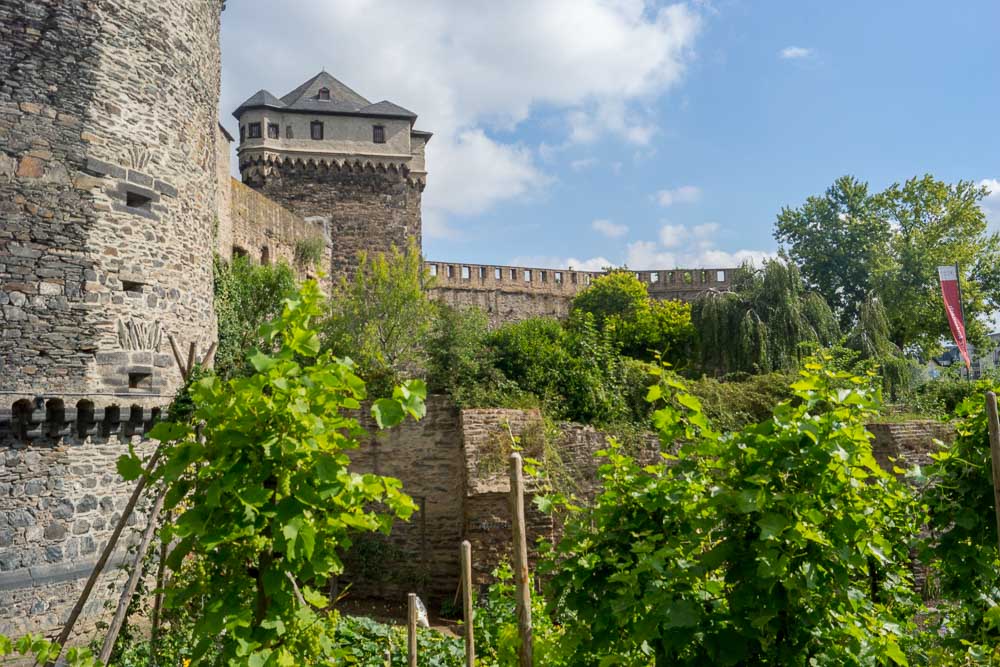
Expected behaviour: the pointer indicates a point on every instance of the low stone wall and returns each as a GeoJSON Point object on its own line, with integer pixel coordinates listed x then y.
{"type": "Point", "coordinates": [906, 444]}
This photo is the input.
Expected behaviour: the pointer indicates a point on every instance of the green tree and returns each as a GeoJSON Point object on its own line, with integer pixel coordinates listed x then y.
{"type": "Point", "coordinates": [246, 296]}
{"type": "Point", "coordinates": [642, 327]}
{"type": "Point", "coordinates": [762, 324]}
{"type": "Point", "coordinates": [852, 245]}
{"type": "Point", "coordinates": [265, 503]}
{"type": "Point", "coordinates": [783, 543]}
{"type": "Point", "coordinates": [381, 317]}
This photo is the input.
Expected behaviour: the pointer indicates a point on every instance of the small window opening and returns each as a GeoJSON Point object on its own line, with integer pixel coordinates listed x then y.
{"type": "Point", "coordinates": [136, 200]}
{"type": "Point", "coordinates": [273, 131]}
{"type": "Point", "coordinates": [482, 273]}
{"type": "Point", "coordinates": [324, 94]}
{"type": "Point", "coordinates": [544, 276]}
{"type": "Point", "coordinates": [288, 132]}
{"type": "Point", "coordinates": [132, 287]}
{"type": "Point", "coordinates": [243, 133]}
{"type": "Point", "coordinates": [239, 252]}
{"type": "Point", "coordinates": [558, 276]}
{"type": "Point", "coordinates": [378, 134]}
{"type": "Point", "coordinates": [654, 277]}
{"type": "Point", "coordinates": [140, 380]}
{"type": "Point", "coordinates": [316, 129]}
{"type": "Point", "coordinates": [513, 274]}
{"type": "Point", "coordinates": [720, 276]}
{"type": "Point", "coordinates": [572, 278]}
{"type": "Point", "coordinates": [465, 273]}
{"type": "Point", "coordinates": [434, 269]}
{"type": "Point", "coordinates": [265, 255]}
{"type": "Point", "coordinates": [497, 274]}
{"type": "Point", "coordinates": [253, 131]}
{"type": "Point", "coordinates": [451, 271]}
{"type": "Point", "coordinates": [527, 275]}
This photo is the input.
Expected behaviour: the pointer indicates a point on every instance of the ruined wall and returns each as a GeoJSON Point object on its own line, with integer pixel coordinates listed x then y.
{"type": "Point", "coordinates": [267, 233]}
{"type": "Point", "coordinates": [108, 194]}
{"type": "Point", "coordinates": [906, 444]}
{"type": "Point", "coordinates": [514, 293]}
{"type": "Point", "coordinates": [363, 207]}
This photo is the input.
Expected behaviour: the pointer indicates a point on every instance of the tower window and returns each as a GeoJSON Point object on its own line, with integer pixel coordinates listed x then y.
{"type": "Point", "coordinates": [253, 131]}
{"type": "Point", "coordinates": [243, 133]}
{"type": "Point", "coordinates": [316, 129]}
{"type": "Point", "coordinates": [378, 134]}
{"type": "Point", "coordinates": [288, 132]}
{"type": "Point", "coordinates": [273, 131]}
{"type": "Point", "coordinates": [324, 94]}
{"type": "Point", "coordinates": [138, 200]}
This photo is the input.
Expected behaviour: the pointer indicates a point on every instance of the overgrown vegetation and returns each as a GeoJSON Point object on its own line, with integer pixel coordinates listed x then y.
{"type": "Point", "coordinates": [309, 251]}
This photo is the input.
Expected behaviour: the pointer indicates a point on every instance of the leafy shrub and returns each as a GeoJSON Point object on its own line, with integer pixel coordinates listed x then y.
{"type": "Point", "coordinates": [962, 546]}
{"type": "Point", "coordinates": [369, 642]}
{"type": "Point", "coordinates": [783, 543]}
{"type": "Point", "coordinates": [246, 296]}
{"type": "Point", "coordinates": [381, 317]}
{"type": "Point", "coordinates": [642, 328]}
{"type": "Point", "coordinates": [308, 252]}
{"type": "Point", "coordinates": [264, 501]}
{"type": "Point", "coordinates": [737, 402]}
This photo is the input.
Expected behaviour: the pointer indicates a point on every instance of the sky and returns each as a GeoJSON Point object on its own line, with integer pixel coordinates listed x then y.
{"type": "Point", "coordinates": [657, 135]}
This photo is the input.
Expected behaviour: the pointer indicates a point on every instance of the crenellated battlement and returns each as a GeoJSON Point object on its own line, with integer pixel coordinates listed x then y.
{"type": "Point", "coordinates": [39, 419]}
{"type": "Point", "coordinates": [259, 165]}
{"type": "Point", "coordinates": [569, 281]}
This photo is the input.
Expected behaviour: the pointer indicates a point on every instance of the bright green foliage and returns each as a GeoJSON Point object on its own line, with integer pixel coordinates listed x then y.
{"type": "Point", "coordinates": [641, 326]}
{"type": "Point", "coordinates": [264, 502]}
{"type": "Point", "coordinates": [783, 544]}
{"type": "Point", "coordinates": [733, 403]}
{"type": "Point", "coordinates": [851, 244]}
{"type": "Point", "coordinates": [381, 317]}
{"type": "Point", "coordinates": [246, 296]}
{"type": "Point", "coordinates": [763, 324]}
{"type": "Point", "coordinates": [962, 547]}
{"type": "Point", "coordinates": [43, 650]}
{"type": "Point", "coordinates": [369, 642]}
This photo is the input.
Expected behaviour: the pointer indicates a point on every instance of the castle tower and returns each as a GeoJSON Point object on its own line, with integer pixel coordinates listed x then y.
{"type": "Point", "coordinates": [108, 188]}
{"type": "Point", "coordinates": [331, 156]}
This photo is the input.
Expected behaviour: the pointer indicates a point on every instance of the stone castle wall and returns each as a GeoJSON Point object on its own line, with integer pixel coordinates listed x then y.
{"type": "Point", "coordinates": [267, 232]}
{"type": "Point", "coordinates": [363, 207]}
{"type": "Point", "coordinates": [513, 293]}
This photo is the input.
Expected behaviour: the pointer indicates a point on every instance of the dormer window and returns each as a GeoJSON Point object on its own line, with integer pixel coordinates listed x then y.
{"type": "Point", "coordinates": [316, 129]}
{"type": "Point", "coordinates": [253, 130]}
{"type": "Point", "coordinates": [324, 94]}
{"type": "Point", "coordinates": [378, 134]}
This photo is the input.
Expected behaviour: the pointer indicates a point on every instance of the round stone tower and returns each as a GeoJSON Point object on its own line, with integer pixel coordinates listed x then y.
{"type": "Point", "coordinates": [333, 157]}
{"type": "Point", "coordinates": [107, 187]}
{"type": "Point", "coordinates": [108, 131]}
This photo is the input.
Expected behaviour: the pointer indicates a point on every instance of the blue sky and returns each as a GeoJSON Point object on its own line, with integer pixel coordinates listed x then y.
{"type": "Point", "coordinates": [588, 132]}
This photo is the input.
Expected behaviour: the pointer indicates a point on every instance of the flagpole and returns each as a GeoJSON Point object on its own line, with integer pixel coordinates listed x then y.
{"type": "Point", "coordinates": [965, 327]}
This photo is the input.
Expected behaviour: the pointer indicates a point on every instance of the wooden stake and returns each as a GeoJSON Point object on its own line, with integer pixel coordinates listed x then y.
{"type": "Point", "coordinates": [411, 628]}
{"type": "Point", "coordinates": [994, 424]}
{"type": "Point", "coordinates": [177, 356]}
{"type": "Point", "coordinates": [523, 593]}
{"type": "Point", "coordinates": [209, 357]}
{"type": "Point", "coordinates": [103, 560]}
{"type": "Point", "coordinates": [192, 350]}
{"type": "Point", "coordinates": [469, 613]}
{"type": "Point", "coordinates": [133, 580]}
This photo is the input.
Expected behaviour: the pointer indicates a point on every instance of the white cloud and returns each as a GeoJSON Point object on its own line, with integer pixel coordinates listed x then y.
{"type": "Point", "coordinates": [672, 236]}
{"type": "Point", "coordinates": [582, 163]}
{"type": "Point", "coordinates": [796, 53]}
{"type": "Point", "coordinates": [472, 69]}
{"type": "Point", "coordinates": [991, 204]}
{"type": "Point", "coordinates": [683, 195]}
{"type": "Point", "coordinates": [688, 248]}
{"type": "Point", "coordinates": [566, 263]}
{"type": "Point", "coordinates": [610, 229]}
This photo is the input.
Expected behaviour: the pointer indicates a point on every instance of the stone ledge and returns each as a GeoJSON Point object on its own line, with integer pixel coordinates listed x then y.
{"type": "Point", "coordinates": [44, 575]}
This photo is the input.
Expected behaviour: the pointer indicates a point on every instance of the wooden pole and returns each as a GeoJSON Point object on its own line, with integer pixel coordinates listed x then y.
{"type": "Point", "coordinates": [177, 356]}
{"type": "Point", "coordinates": [469, 613]}
{"type": "Point", "coordinates": [994, 424]}
{"type": "Point", "coordinates": [411, 628]}
{"type": "Point", "coordinates": [103, 560]}
{"type": "Point", "coordinates": [209, 357]}
{"type": "Point", "coordinates": [133, 580]}
{"type": "Point", "coordinates": [523, 592]}
{"type": "Point", "coordinates": [192, 352]}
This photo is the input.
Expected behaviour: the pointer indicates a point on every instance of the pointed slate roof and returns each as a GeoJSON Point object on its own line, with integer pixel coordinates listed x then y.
{"type": "Point", "coordinates": [343, 100]}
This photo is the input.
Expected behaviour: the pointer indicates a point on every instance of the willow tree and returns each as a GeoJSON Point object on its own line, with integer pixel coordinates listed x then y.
{"type": "Point", "coordinates": [871, 338]}
{"type": "Point", "coordinates": [762, 324]}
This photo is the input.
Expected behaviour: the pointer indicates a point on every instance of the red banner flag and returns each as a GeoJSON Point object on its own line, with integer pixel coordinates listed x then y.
{"type": "Point", "coordinates": [953, 307]}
